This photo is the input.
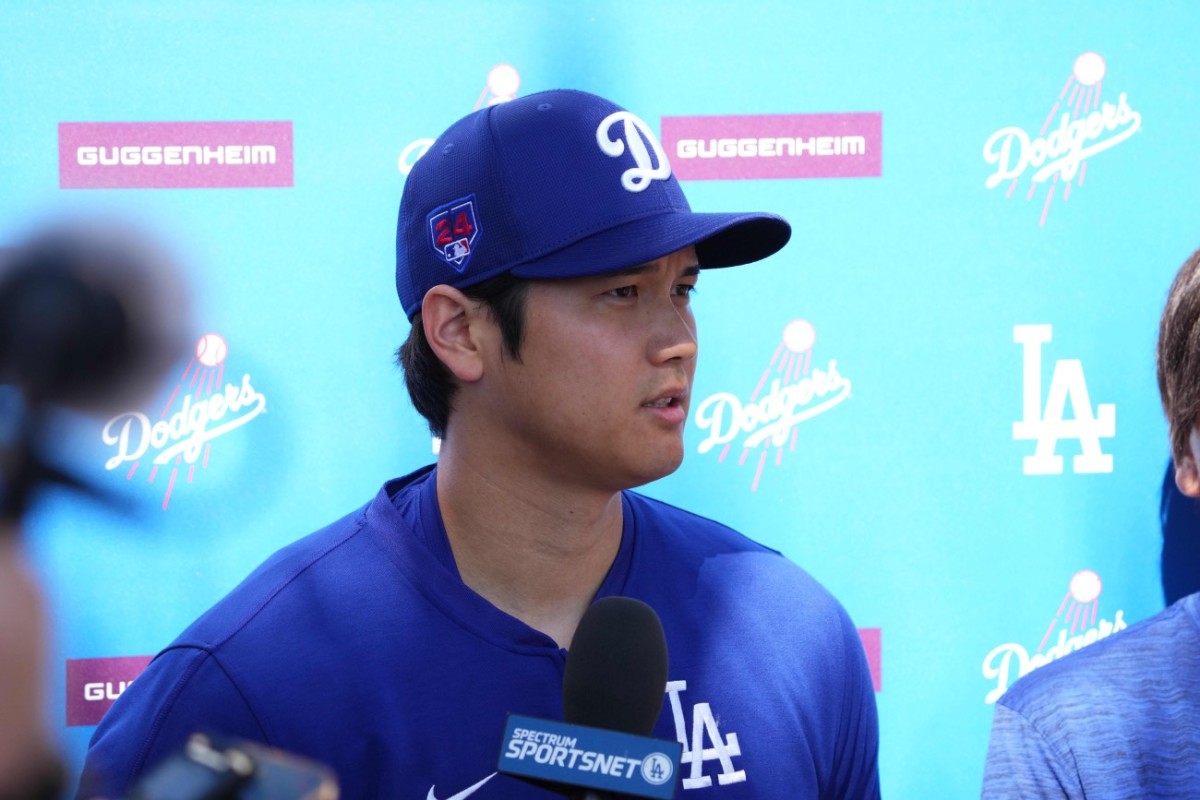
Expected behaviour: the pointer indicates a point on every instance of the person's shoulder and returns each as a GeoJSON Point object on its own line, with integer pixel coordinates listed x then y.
{"type": "Point", "coordinates": [1190, 605]}
{"type": "Point", "coordinates": [327, 561]}
{"type": "Point", "coordinates": [697, 529]}
{"type": "Point", "coordinates": [1110, 667]}
{"type": "Point", "coordinates": [730, 562]}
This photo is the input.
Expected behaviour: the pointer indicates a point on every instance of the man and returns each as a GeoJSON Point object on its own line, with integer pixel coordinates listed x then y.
{"type": "Point", "coordinates": [546, 257]}
{"type": "Point", "coordinates": [1121, 718]}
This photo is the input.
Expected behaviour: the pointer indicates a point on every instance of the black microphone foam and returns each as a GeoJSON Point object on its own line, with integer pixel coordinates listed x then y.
{"type": "Point", "coordinates": [91, 315]}
{"type": "Point", "coordinates": [616, 673]}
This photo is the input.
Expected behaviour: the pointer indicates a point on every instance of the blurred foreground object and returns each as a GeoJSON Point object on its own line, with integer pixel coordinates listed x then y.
{"type": "Point", "coordinates": [91, 315]}
{"type": "Point", "coordinates": [211, 769]}
{"type": "Point", "coordinates": [29, 767]}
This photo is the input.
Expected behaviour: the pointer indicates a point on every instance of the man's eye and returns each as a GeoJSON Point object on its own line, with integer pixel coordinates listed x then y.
{"type": "Point", "coordinates": [685, 289]}
{"type": "Point", "coordinates": [624, 291]}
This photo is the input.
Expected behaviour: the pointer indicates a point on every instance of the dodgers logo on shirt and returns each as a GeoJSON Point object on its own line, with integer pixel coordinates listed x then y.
{"type": "Point", "coordinates": [453, 229]}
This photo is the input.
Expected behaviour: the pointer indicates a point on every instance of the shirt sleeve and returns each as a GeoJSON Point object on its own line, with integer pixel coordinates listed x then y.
{"type": "Point", "coordinates": [856, 772]}
{"type": "Point", "coordinates": [184, 690]}
{"type": "Point", "coordinates": [1021, 763]}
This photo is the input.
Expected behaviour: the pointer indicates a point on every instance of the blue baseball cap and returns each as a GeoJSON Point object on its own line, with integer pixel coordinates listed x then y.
{"type": "Point", "coordinates": [558, 184]}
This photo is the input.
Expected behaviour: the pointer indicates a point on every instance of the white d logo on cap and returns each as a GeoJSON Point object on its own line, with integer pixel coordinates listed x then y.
{"type": "Point", "coordinates": [636, 133]}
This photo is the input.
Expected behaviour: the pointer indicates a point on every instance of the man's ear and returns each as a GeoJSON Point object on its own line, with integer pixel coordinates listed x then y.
{"type": "Point", "coordinates": [1187, 473]}
{"type": "Point", "coordinates": [452, 321]}
{"type": "Point", "coordinates": [1187, 477]}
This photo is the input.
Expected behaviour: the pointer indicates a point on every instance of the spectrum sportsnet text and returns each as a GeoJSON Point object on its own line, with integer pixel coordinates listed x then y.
{"type": "Point", "coordinates": [566, 754]}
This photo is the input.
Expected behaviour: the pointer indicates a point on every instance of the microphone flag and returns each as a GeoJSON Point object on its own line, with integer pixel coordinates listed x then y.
{"type": "Point", "coordinates": [592, 758]}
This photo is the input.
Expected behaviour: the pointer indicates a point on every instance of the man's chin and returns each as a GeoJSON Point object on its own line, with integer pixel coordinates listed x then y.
{"type": "Point", "coordinates": [652, 472]}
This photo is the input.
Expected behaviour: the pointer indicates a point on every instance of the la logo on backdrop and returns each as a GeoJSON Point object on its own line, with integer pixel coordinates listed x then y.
{"type": "Point", "coordinates": [1058, 154]}
{"type": "Point", "coordinates": [1076, 624]}
{"type": "Point", "coordinates": [1048, 424]}
{"type": "Point", "coordinates": [202, 408]}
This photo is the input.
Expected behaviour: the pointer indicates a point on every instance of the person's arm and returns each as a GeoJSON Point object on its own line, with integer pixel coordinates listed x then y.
{"type": "Point", "coordinates": [856, 773]}
{"type": "Point", "coordinates": [1021, 763]}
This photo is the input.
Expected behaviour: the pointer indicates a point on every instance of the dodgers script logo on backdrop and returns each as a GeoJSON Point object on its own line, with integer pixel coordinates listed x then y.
{"type": "Point", "coordinates": [174, 155]}
{"type": "Point", "coordinates": [636, 134]}
{"type": "Point", "coordinates": [775, 146]}
{"type": "Point", "coordinates": [796, 393]}
{"type": "Point", "coordinates": [1046, 425]}
{"type": "Point", "coordinates": [1076, 625]}
{"type": "Point", "coordinates": [1086, 128]}
{"type": "Point", "coordinates": [93, 684]}
{"type": "Point", "coordinates": [502, 83]}
{"type": "Point", "coordinates": [453, 229]}
{"type": "Point", "coordinates": [183, 435]}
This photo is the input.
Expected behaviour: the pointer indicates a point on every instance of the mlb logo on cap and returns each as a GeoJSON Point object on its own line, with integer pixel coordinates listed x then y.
{"type": "Point", "coordinates": [453, 229]}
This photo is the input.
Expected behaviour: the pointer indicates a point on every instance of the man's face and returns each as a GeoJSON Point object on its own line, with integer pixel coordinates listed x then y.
{"type": "Point", "coordinates": [600, 395]}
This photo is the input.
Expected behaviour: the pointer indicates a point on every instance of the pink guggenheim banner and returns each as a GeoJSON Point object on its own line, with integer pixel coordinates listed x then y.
{"type": "Point", "coordinates": [94, 684]}
{"type": "Point", "coordinates": [775, 146]}
{"type": "Point", "coordinates": [174, 155]}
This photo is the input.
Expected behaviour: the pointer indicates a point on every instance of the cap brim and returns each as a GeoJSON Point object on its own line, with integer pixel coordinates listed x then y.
{"type": "Point", "coordinates": [721, 240]}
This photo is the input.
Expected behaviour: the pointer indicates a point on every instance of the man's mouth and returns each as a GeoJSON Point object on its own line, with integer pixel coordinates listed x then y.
{"type": "Point", "coordinates": [670, 400]}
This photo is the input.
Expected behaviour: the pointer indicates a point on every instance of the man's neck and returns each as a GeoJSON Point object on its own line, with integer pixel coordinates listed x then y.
{"type": "Point", "coordinates": [534, 548]}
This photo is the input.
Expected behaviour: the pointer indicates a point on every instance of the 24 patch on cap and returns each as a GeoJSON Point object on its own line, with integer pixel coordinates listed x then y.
{"type": "Point", "coordinates": [453, 229]}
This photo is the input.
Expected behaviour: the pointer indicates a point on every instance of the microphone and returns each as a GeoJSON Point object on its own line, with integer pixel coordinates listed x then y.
{"type": "Point", "coordinates": [613, 689]}
{"type": "Point", "coordinates": [616, 671]}
{"type": "Point", "coordinates": [208, 768]}
{"type": "Point", "coordinates": [91, 315]}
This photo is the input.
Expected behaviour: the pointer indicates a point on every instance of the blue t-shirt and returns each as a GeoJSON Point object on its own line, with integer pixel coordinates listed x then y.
{"type": "Point", "coordinates": [1117, 719]}
{"type": "Point", "coordinates": [360, 647]}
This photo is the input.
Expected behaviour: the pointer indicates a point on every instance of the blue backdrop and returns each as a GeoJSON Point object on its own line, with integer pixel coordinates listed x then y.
{"type": "Point", "coordinates": [921, 337]}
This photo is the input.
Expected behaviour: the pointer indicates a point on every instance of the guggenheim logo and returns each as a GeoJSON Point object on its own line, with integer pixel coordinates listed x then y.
{"type": "Point", "coordinates": [174, 155]}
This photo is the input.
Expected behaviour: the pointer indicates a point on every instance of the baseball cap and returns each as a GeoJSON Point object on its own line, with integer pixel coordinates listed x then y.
{"type": "Point", "coordinates": [558, 184]}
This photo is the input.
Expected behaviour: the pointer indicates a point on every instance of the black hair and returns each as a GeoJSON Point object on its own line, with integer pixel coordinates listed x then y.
{"type": "Point", "coordinates": [430, 384]}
